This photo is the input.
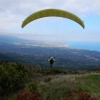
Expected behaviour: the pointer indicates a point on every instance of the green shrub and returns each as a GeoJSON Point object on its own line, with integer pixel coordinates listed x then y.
{"type": "Point", "coordinates": [32, 86]}
{"type": "Point", "coordinates": [48, 79]}
{"type": "Point", "coordinates": [12, 77]}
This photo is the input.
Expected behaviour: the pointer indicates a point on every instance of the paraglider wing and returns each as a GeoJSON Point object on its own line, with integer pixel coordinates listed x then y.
{"type": "Point", "coordinates": [52, 12]}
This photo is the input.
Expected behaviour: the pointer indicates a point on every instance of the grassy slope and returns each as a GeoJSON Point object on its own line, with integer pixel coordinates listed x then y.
{"type": "Point", "coordinates": [56, 86]}
{"type": "Point", "coordinates": [67, 86]}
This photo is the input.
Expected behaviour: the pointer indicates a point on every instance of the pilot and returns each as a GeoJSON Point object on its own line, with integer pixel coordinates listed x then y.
{"type": "Point", "coordinates": [51, 60]}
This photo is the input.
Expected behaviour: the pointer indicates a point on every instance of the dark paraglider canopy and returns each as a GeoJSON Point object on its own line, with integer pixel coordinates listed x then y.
{"type": "Point", "coordinates": [52, 13]}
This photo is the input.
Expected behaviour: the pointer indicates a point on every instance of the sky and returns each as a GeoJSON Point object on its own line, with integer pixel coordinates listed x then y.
{"type": "Point", "coordinates": [13, 12]}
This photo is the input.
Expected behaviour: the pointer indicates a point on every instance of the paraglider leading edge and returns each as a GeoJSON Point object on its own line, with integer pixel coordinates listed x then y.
{"type": "Point", "coordinates": [50, 13]}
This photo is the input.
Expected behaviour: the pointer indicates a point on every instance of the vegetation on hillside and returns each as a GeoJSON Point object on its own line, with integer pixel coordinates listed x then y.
{"type": "Point", "coordinates": [21, 82]}
{"type": "Point", "coordinates": [13, 77]}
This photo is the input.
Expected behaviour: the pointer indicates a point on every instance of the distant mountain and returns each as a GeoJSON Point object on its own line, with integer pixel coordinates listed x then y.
{"type": "Point", "coordinates": [15, 40]}
{"type": "Point", "coordinates": [10, 38]}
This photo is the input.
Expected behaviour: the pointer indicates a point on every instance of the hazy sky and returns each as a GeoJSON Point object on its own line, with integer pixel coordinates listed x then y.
{"type": "Point", "coordinates": [13, 12]}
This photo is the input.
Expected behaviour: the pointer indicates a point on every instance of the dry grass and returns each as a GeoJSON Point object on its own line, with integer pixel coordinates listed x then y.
{"type": "Point", "coordinates": [64, 87]}
{"type": "Point", "coordinates": [61, 85]}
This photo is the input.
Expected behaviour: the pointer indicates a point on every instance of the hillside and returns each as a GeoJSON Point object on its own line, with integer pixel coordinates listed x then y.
{"type": "Point", "coordinates": [29, 83]}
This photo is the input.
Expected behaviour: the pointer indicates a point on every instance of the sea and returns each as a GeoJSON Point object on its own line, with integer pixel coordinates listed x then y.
{"type": "Point", "coordinates": [95, 46]}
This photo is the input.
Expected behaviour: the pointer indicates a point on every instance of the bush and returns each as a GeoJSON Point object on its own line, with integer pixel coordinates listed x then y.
{"type": "Point", "coordinates": [48, 79]}
{"type": "Point", "coordinates": [57, 71]}
{"type": "Point", "coordinates": [27, 95]}
{"type": "Point", "coordinates": [32, 86]}
{"type": "Point", "coordinates": [12, 77]}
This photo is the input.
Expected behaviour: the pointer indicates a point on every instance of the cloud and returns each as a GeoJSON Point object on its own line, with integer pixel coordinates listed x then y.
{"type": "Point", "coordinates": [12, 12]}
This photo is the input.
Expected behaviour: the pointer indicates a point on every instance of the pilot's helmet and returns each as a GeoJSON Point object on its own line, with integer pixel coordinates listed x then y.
{"type": "Point", "coordinates": [51, 57]}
